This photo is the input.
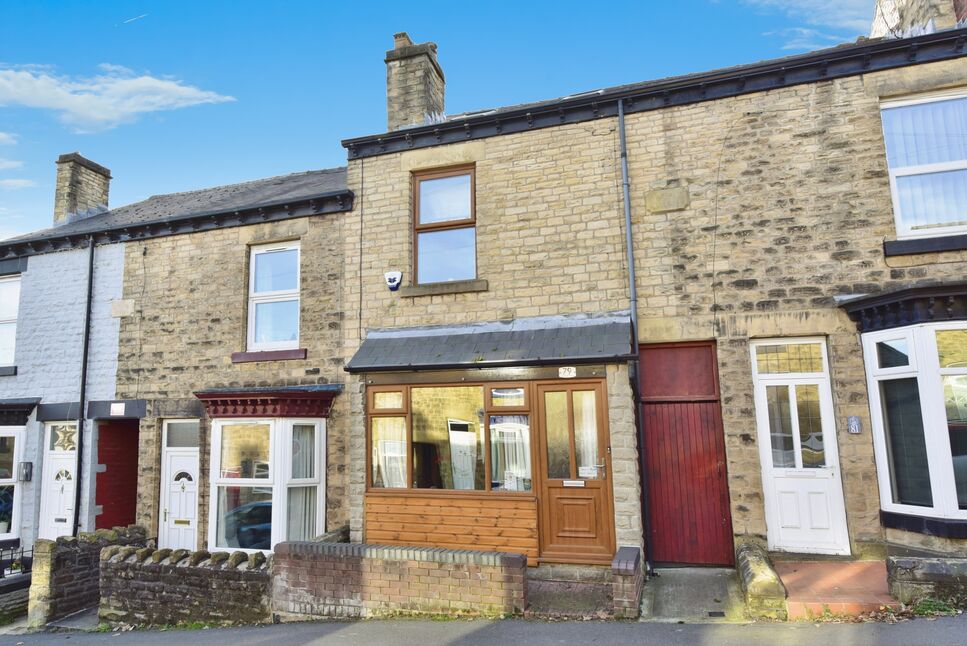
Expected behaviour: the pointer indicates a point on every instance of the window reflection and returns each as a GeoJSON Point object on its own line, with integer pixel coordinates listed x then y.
{"type": "Point", "coordinates": [906, 445]}
{"type": "Point", "coordinates": [448, 438]}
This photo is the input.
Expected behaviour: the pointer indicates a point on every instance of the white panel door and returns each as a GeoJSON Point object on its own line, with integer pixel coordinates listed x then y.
{"type": "Point", "coordinates": [805, 510]}
{"type": "Point", "coordinates": [57, 495]}
{"type": "Point", "coordinates": [179, 500]}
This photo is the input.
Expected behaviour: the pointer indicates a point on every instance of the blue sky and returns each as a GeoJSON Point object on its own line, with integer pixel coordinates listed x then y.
{"type": "Point", "coordinates": [173, 96]}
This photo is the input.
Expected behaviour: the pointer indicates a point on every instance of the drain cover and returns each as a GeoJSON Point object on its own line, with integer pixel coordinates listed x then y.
{"type": "Point", "coordinates": [716, 613]}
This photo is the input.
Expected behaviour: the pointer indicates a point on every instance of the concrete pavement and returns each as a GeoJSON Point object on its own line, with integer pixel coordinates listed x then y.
{"type": "Point", "coordinates": [947, 630]}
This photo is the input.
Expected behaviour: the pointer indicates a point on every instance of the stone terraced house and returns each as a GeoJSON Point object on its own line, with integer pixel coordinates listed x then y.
{"type": "Point", "coordinates": [674, 316]}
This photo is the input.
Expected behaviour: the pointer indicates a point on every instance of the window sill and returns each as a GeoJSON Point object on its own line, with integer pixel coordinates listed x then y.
{"type": "Point", "coordinates": [942, 527]}
{"type": "Point", "coordinates": [269, 355]}
{"type": "Point", "coordinates": [925, 245]}
{"type": "Point", "coordinates": [435, 289]}
{"type": "Point", "coordinates": [8, 371]}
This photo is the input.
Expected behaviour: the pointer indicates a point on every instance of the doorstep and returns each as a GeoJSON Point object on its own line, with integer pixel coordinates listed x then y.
{"type": "Point", "coordinates": [818, 588]}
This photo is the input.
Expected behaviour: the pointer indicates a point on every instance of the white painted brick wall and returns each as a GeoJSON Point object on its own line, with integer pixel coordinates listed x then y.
{"type": "Point", "coordinates": [50, 338]}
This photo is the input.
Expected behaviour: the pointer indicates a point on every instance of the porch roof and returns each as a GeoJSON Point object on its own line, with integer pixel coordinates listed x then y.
{"type": "Point", "coordinates": [537, 341]}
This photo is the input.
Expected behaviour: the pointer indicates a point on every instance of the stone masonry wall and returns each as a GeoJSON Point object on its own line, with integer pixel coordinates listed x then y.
{"type": "Point", "coordinates": [161, 587]}
{"type": "Point", "coordinates": [188, 297]}
{"type": "Point", "coordinates": [66, 574]}
{"type": "Point", "coordinates": [751, 214]}
{"type": "Point", "coordinates": [319, 580]}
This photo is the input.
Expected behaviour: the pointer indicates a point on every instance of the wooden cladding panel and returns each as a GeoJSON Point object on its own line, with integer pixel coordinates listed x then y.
{"type": "Point", "coordinates": [457, 522]}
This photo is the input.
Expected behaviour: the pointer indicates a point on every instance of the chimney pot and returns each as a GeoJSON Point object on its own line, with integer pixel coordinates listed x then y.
{"type": "Point", "coordinates": [401, 40]}
{"type": "Point", "coordinates": [82, 188]}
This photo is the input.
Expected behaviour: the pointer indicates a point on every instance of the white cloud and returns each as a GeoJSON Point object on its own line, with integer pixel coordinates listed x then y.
{"type": "Point", "coordinates": [10, 164]}
{"type": "Point", "coordinates": [114, 96]}
{"type": "Point", "coordinates": [800, 38]}
{"type": "Point", "coordinates": [14, 184]}
{"type": "Point", "coordinates": [7, 139]}
{"type": "Point", "coordinates": [852, 16]}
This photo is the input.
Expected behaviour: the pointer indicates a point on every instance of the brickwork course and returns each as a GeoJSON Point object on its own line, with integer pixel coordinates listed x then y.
{"type": "Point", "coordinates": [314, 580]}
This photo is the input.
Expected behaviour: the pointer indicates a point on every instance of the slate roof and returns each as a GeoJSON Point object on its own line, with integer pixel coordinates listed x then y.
{"type": "Point", "coordinates": [265, 192]}
{"type": "Point", "coordinates": [549, 340]}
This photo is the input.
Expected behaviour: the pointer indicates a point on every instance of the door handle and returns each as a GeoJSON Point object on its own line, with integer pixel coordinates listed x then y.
{"type": "Point", "coordinates": [166, 515]}
{"type": "Point", "coordinates": [602, 467]}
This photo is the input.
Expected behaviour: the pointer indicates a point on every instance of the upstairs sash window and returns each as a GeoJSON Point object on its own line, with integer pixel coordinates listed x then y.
{"type": "Point", "coordinates": [926, 147]}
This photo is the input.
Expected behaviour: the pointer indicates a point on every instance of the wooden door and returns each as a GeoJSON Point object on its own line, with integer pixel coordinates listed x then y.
{"type": "Point", "coordinates": [577, 521]}
{"type": "Point", "coordinates": [688, 495]}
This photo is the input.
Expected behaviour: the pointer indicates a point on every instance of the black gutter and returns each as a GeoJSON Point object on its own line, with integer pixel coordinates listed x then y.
{"type": "Point", "coordinates": [508, 363]}
{"type": "Point", "coordinates": [634, 365]}
{"type": "Point", "coordinates": [78, 484]}
{"type": "Point", "coordinates": [329, 202]}
{"type": "Point", "coordinates": [813, 67]}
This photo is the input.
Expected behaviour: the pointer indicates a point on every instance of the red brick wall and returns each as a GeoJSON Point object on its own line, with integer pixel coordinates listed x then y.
{"type": "Point", "coordinates": [117, 486]}
{"type": "Point", "coordinates": [313, 580]}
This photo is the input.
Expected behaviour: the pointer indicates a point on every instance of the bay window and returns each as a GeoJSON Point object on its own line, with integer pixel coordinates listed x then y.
{"type": "Point", "coordinates": [918, 388]}
{"type": "Point", "coordinates": [267, 480]}
{"type": "Point", "coordinates": [11, 446]}
{"type": "Point", "coordinates": [273, 307]}
{"type": "Point", "coordinates": [467, 437]}
{"type": "Point", "coordinates": [927, 157]}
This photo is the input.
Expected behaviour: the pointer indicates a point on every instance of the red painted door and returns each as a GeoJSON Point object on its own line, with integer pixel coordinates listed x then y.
{"type": "Point", "coordinates": [116, 486]}
{"type": "Point", "coordinates": [688, 493]}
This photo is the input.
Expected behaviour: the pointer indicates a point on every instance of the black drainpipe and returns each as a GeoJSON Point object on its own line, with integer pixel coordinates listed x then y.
{"type": "Point", "coordinates": [634, 365]}
{"type": "Point", "coordinates": [83, 394]}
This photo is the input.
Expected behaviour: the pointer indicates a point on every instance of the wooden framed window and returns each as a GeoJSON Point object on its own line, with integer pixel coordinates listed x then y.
{"type": "Point", "coordinates": [451, 437]}
{"type": "Point", "coordinates": [444, 225]}
{"type": "Point", "coordinates": [273, 303]}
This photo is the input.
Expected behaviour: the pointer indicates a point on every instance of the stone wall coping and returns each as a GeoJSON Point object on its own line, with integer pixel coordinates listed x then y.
{"type": "Point", "coordinates": [238, 560]}
{"type": "Point", "coordinates": [396, 553]}
{"type": "Point", "coordinates": [927, 569]}
{"type": "Point", "coordinates": [756, 574]}
{"type": "Point", "coordinates": [627, 561]}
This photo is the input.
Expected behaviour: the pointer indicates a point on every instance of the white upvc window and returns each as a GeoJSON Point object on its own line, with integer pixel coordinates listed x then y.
{"type": "Point", "coordinates": [267, 482]}
{"type": "Point", "coordinates": [926, 148]}
{"type": "Point", "coordinates": [11, 450]}
{"type": "Point", "coordinates": [9, 308]}
{"type": "Point", "coordinates": [917, 379]}
{"type": "Point", "coordinates": [273, 302]}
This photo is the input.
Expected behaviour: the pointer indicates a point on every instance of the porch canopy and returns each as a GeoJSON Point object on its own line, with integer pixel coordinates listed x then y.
{"type": "Point", "coordinates": [536, 341]}
{"type": "Point", "coordinates": [278, 401]}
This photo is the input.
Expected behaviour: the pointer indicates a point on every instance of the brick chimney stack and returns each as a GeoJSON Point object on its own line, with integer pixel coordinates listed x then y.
{"type": "Point", "coordinates": [414, 84]}
{"type": "Point", "coordinates": [82, 188]}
